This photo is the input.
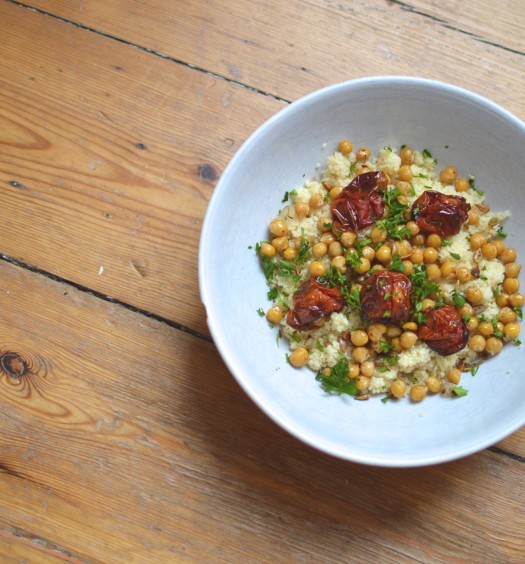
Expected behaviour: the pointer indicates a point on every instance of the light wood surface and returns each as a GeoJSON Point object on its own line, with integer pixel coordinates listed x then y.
{"type": "Point", "coordinates": [127, 439]}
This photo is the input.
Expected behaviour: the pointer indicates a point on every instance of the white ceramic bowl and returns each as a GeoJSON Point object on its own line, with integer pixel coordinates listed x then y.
{"type": "Point", "coordinates": [459, 127]}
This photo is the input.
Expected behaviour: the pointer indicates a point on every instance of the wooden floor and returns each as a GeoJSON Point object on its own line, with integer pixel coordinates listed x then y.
{"type": "Point", "coordinates": [123, 436]}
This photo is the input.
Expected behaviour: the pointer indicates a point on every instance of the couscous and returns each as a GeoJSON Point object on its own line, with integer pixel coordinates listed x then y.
{"type": "Point", "coordinates": [390, 275]}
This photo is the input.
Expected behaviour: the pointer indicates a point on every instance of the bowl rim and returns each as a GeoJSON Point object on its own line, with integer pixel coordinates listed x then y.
{"type": "Point", "coordinates": [212, 321]}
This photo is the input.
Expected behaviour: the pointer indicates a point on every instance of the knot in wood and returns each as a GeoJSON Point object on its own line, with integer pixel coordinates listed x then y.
{"type": "Point", "coordinates": [13, 365]}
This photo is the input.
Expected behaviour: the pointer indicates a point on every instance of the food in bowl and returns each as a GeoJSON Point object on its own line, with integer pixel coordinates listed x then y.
{"type": "Point", "coordinates": [390, 275]}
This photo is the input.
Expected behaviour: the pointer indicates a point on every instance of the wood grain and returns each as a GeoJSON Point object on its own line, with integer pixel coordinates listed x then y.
{"type": "Point", "coordinates": [126, 440]}
{"type": "Point", "coordinates": [287, 50]}
{"type": "Point", "coordinates": [108, 158]}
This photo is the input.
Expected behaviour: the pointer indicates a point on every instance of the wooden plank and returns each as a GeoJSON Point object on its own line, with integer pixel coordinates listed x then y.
{"type": "Point", "coordinates": [127, 440]}
{"type": "Point", "coordinates": [15, 548]}
{"type": "Point", "coordinates": [106, 168]}
{"type": "Point", "coordinates": [503, 25]}
{"type": "Point", "coordinates": [514, 444]}
{"type": "Point", "coordinates": [258, 46]}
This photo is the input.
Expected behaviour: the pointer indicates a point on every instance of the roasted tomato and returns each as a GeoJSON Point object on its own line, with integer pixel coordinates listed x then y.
{"type": "Point", "coordinates": [361, 203]}
{"type": "Point", "coordinates": [435, 212]}
{"type": "Point", "coordinates": [443, 330]}
{"type": "Point", "coordinates": [313, 301]}
{"type": "Point", "coordinates": [385, 295]}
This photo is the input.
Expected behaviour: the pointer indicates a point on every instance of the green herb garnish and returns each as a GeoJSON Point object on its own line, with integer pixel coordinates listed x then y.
{"type": "Point", "coordinates": [260, 311]}
{"type": "Point", "coordinates": [456, 256]}
{"type": "Point", "coordinates": [397, 263]}
{"type": "Point", "coordinates": [472, 185]}
{"type": "Point", "coordinates": [459, 391]}
{"type": "Point", "coordinates": [458, 299]}
{"type": "Point", "coordinates": [337, 380]}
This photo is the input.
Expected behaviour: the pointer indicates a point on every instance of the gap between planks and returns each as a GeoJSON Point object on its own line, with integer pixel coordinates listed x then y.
{"type": "Point", "coordinates": [150, 51]}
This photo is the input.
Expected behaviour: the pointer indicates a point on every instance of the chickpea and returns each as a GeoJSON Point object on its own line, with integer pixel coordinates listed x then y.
{"type": "Point", "coordinates": [368, 253]}
{"type": "Point", "coordinates": [511, 285]}
{"type": "Point", "coordinates": [448, 175]}
{"type": "Point", "coordinates": [334, 192]}
{"type": "Point", "coordinates": [274, 314]}
{"type": "Point", "coordinates": [280, 243]}
{"type": "Point", "coordinates": [362, 383]}
{"type": "Point", "coordinates": [494, 345]}
{"type": "Point", "coordinates": [393, 331]}
{"type": "Point", "coordinates": [298, 357]}
{"type": "Point", "coordinates": [503, 299]}
{"type": "Point", "coordinates": [430, 255]}
{"type": "Point", "coordinates": [345, 147]}
{"type": "Point", "coordinates": [396, 343]}
{"type": "Point", "coordinates": [477, 240]}
{"type": "Point", "coordinates": [368, 368]}
{"type": "Point", "coordinates": [353, 371]}
{"type": "Point", "coordinates": [517, 300]}
{"type": "Point", "coordinates": [339, 262]}
{"type": "Point", "coordinates": [360, 354]}
{"type": "Point", "coordinates": [398, 388]}
{"type": "Point", "coordinates": [405, 173]}
{"type": "Point", "coordinates": [317, 268]}
{"type": "Point", "coordinates": [384, 254]}
{"type": "Point", "coordinates": [409, 267]}
{"type": "Point", "coordinates": [418, 392]}
{"type": "Point", "coordinates": [434, 240]}
{"type": "Point", "coordinates": [362, 154]}
{"type": "Point", "coordinates": [463, 274]}
{"type": "Point", "coordinates": [473, 323]}
{"type": "Point", "coordinates": [359, 338]}
{"type": "Point", "coordinates": [327, 238]}
{"type": "Point", "coordinates": [404, 187]}
{"type": "Point", "coordinates": [319, 250]}
{"type": "Point", "coordinates": [433, 384]}
{"type": "Point", "coordinates": [316, 201]}
{"type": "Point", "coordinates": [486, 329]}
{"type": "Point", "coordinates": [427, 303]}
{"type": "Point", "coordinates": [473, 217]}
{"type": "Point", "coordinates": [512, 269]}
{"type": "Point", "coordinates": [477, 343]}
{"type": "Point", "coordinates": [363, 266]}
{"type": "Point", "coordinates": [290, 253]}
{"type": "Point", "coordinates": [454, 375]}
{"type": "Point", "coordinates": [267, 250]}
{"type": "Point", "coordinates": [410, 326]}
{"type": "Point", "coordinates": [499, 244]}
{"type": "Point", "coordinates": [417, 256]}
{"type": "Point", "coordinates": [278, 228]}
{"type": "Point", "coordinates": [402, 248]}
{"type": "Point", "coordinates": [408, 339]}
{"type": "Point", "coordinates": [462, 184]}
{"type": "Point", "coordinates": [489, 251]}
{"type": "Point", "coordinates": [433, 272]}
{"type": "Point", "coordinates": [448, 269]}
{"type": "Point", "coordinates": [378, 235]}
{"type": "Point", "coordinates": [302, 209]}
{"type": "Point", "coordinates": [413, 227]}
{"type": "Point", "coordinates": [474, 295]}
{"type": "Point", "coordinates": [347, 239]}
{"type": "Point", "coordinates": [508, 255]}
{"type": "Point", "coordinates": [335, 249]}
{"type": "Point", "coordinates": [466, 310]}
{"type": "Point", "coordinates": [324, 224]}
{"type": "Point", "coordinates": [418, 240]}
{"type": "Point", "coordinates": [511, 330]}
{"type": "Point", "coordinates": [376, 331]}
{"type": "Point", "coordinates": [407, 155]}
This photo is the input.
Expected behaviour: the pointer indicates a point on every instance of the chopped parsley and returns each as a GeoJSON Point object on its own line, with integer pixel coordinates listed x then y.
{"type": "Point", "coordinates": [394, 224]}
{"type": "Point", "coordinates": [337, 381]}
{"type": "Point", "coordinates": [519, 312]}
{"type": "Point", "coordinates": [272, 294]}
{"type": "Point", "coordinates": [386, 399]}
{"type": "Point", "coordinates": [474, 370]}
{"type": "Point", "coordinates": [260, 312]}
{"type": "Point", "coordinates": [427, 154]}
{"type": "Point", "coordinates": [386, 347]}
{"type": "Point", "coordinates": [472, 185]}
{"type": "Point", "coordinates": [422, 287]}
{"type": "Point", "coordinates": [319, 346]}
{"type": "Point", "coordinates": [501, 233]}
{"type": "Point", "coordinates": [446, 242]}
{"type": "Point", "coordinates": [397, 263]}
{"type": "Point", "coordinates": [458, 299]}
{"type": "Point", "coordinates": [303, 254]}
{"type": "Point", "coordinates": [459, 391]}
{"type": "Point", "coordinates": [352, 296]}
{"type": "Point", "coordinates": [456, 256]}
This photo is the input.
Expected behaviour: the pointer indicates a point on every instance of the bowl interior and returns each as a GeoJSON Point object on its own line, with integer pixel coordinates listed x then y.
{"type": "Point", "coordinates": [459, 128]}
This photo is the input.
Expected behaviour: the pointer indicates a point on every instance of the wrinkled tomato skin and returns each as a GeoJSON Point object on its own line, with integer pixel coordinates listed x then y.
{"type": "Point", "coordinates": [435, 212]}
{"type": "Point", "coordinates": [385, 296]}
{"type": "Point", "coordinates": [360, 204]}
{"type": "Point", "coordinates": [312, 302]}
{"type": "Point", "coordinates": [444, 330]}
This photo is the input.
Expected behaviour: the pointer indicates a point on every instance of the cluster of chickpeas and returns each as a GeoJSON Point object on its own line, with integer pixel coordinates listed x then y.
{"type": "Point", "coordinates": [486, 336]}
